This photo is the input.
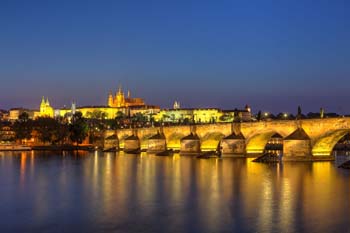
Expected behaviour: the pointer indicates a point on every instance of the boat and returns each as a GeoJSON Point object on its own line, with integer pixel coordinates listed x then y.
{"type": "Point", "coordinates": [134, 151]}
{"type": "Point", "coordinates": [209, 154]}
{"type": "Point", "coordinates": [113, 149]}
{"type": "Point", "coordinates": [345, 165]}
{"type": "Point", "coordinates": [165, 153]}
{"type": "Point", "coordinates": [268, 158]}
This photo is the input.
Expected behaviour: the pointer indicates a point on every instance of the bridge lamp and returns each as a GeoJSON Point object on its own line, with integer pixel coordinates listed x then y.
{"type": "Point", "coordinates": [266, 114]}
{"type": "Point", "coordinates": [285, 115]}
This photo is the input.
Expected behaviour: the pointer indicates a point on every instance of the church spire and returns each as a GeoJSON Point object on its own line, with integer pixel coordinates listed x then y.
{"type": "Point", "coordinates": [43, 100]}
{"type": "Point", "coordinates": [110, 99]}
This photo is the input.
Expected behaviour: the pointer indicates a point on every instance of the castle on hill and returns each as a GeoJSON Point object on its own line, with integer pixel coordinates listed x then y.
{"type": "Point", "coordinates": [126, 105]}
{"type": "Point", "coordinates": [119, 100]}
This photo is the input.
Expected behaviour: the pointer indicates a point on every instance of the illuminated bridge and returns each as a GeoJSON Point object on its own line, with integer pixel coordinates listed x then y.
{"type": "Point", "coordinates": [308, 139]}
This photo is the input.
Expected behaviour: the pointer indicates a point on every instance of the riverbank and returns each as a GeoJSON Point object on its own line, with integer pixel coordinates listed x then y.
{"type": "Point", "coordinates": [63, 148]}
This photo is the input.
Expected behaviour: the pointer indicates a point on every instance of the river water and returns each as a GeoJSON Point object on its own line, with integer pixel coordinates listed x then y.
{"type": "Point", "coordinates": [111, 192]}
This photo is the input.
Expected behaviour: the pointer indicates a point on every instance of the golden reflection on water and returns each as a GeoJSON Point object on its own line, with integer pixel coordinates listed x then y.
{"type": "Point", "coordinates": [23, 166]}
{"type": "Point", "coordinates": [211, 193]}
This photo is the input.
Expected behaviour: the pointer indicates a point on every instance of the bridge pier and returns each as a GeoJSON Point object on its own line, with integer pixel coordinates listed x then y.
{"type": "Point", "coordinates": [190, 145]}
{"type": "Point", "coordinates": [297, 146]}
{"type": "Point", "coordinates": [111, 143]}
{"type": "Point", "coordinates": [157, 143]}
{"type": "Point", "coordinates": [132, 144]}
{"type": "Point", "coordinates": [233, 146]}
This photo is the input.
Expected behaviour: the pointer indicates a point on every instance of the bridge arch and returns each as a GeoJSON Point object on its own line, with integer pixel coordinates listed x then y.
{"type": "Point", "coordinates": [256, 143]}
{"type": "Point", "coordinates": [173, 140]}
{"type": "Point", "coordinates": [122, 140]}
{"type": "Point", "coordinates": [144, 140]}
{"type": "Point", "coordinates": [325, 144]}
{"type": "Point", "coordinates": [210, 141]}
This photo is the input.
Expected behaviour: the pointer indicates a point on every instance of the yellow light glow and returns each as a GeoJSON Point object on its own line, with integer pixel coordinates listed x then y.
{"type": "Point", "coordinates": [325, 144]}
{"type": "Point", "coordinates": [257, 143]}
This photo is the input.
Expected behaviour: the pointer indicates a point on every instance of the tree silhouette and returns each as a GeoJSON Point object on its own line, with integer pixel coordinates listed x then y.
{"type": "Point", "coordinates": [23, 127]}
{"type": "Point", "coordinates": [78, 128]}
{"type": "Point", "coordinates": [45, 128]}
{"type": "Point", "coordinates": [51, 130]}
{"type": "Point", "coordinates": [258, 117]}
{"type": "Point", "coordinates": [299, 113]}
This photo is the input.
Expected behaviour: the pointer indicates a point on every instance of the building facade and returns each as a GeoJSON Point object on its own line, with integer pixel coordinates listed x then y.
{"type": "Point", "coordinates": [120, 101]}
{"type": "Point", "coordinates": [203, 115]}
{"type": "Point", "coordinates": [45, 108]}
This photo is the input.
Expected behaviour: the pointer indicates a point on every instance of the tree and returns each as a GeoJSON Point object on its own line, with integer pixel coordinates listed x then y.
{"type": "Point", "coordinates": [186, 121]}
{"type": "Point", "coordinates": [312, 115]}
{"type": "Point", "coordinates": [96, 114]}
{"type": "Point", "coordinates": [23, 127]}
{"type": "Point", "coordinates": [299, 114]}
{"type": "Point", "coordinates": [258, 117]}
{"type": "Point", "coordinates": [120, 115]}
{"type": "Point", "coordinates": [96, 124]}
{"type": "Point", "coordinates": [225, 118]}
{"type": "Point", "coordinates": [120, 119]}
{"type": "Point", "coordinates": [236, 116]}
{"type": "Point", "coordinates": [45, 127]}
{"type": "Point", "coordinates": [78, 128]}
{"type": "Point", "coordinates": [61, 132]}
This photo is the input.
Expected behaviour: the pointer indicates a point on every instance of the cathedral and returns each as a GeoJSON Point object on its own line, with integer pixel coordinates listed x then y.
{"type": "Point", "coordinates": [119, 100]}
{"type": "Point", "coordinates": [45, 108]}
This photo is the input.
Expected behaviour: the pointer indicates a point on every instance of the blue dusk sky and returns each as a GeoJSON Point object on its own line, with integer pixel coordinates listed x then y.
{"type": "Point", "coordinates": [272, 55]}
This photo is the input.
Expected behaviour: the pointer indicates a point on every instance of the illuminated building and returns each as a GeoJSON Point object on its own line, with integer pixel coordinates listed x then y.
{"type": "Point", "coordinates": [45, 109]}
{"type": "Point", "coordinates": [14, 113]}
{"type": "Point", "coordinates": [202, 115]}
{"type": "Point", "coordinates": [176, 105]}
{"type": "Point", "coordinates": [116, 105]}
{"type": "Point", "coordinates": [6, 134]}
{"type": "Point", "coordinates": [119, 100]}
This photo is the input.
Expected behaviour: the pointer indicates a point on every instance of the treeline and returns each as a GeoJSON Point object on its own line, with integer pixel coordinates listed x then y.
{"type": "Point", "coordinates": [299, 115]}
{"type": "Point", "coordinates": [55, 131]}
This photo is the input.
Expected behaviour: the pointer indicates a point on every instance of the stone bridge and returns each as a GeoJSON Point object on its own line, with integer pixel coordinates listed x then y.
{"type": "Point", "coordinates": [308, 138]}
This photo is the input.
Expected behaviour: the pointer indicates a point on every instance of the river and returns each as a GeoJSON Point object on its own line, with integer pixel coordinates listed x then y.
{"type": "Point", "coordinates": [116, 192]}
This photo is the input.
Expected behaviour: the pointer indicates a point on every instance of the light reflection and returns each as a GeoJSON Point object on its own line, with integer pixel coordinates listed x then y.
{"type": "Point", "coordinates": [286, 204]}
{"type": "Point", "coordinates": [265, 210]}
{"type": "Point", "coordinates": [107, 184]}
{"type": "Point", "coordinates": [23, 158]}
{"type": "Point", "coordinates": [176, 193]}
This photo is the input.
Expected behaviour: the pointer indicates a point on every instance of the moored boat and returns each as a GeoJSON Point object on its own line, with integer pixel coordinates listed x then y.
{"type": "Point", "coordinates": [134, 152]}
{"type": "Point", "coordinates": [209, 154]}
{"type": "Point", "coordinates": [165, 153]}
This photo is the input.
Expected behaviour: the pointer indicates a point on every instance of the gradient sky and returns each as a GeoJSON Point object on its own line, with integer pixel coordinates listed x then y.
{"type": "Point", "coordinates": [273, 55]}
